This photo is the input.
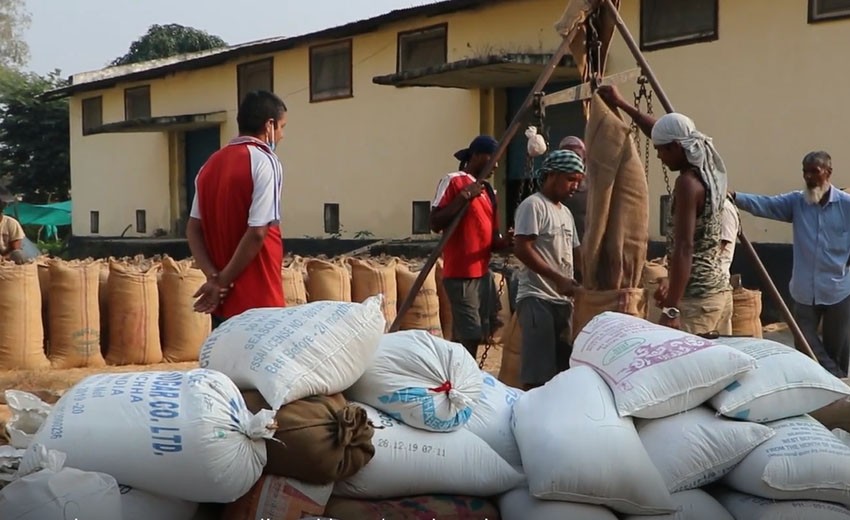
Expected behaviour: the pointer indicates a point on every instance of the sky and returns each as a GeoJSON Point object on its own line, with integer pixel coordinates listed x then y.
{"type": "Point", "coordinates": [83, 35]}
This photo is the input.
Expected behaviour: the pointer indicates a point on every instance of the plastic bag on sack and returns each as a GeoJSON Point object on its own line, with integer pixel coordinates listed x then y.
{"type": "Point", "coordinates": [576, 448]}
{"type": "Point", "coordinates": [786, 383]}
{"type": "Point", "coordinates": [411, 462]}
{"type": "Point", "coordinates": [63, 493]}
{"type": "Point", "coordinates": [28, 414]}
{"type": "Point", "coordinates": [185, 435]}
{"type": "Point", "coordinates": [536, 142]}
{"type": "Point", "coordinates": [656, 371]}
{"type": "Point", "coordinates": [141, 505]}
{"type": "Point", "coordinates": [288, 354]}
{"type": "Point", "coordinates": [421, 380]}
{"type": "Point", "coordinates": [318, 440]}
{"type": "Point", "coordinates": [491, 418]}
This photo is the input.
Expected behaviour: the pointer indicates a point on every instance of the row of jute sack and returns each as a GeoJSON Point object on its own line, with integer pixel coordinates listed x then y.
{"type": "Point", "coordinates": [138, 311]}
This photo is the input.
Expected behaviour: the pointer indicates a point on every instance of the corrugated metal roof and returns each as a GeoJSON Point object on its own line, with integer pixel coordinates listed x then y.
{"type": "Point", "coordinates": [110, 76]}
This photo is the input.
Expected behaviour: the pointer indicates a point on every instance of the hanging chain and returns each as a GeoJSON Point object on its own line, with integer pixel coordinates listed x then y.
{"type": "Point", "coordinates": [644, 93]}
{"type": "Point", "coordinates": [490, 343]}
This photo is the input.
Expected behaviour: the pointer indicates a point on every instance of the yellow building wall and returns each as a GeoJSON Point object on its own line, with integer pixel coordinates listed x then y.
{"type": "Point", "coordinates": [768, 91]}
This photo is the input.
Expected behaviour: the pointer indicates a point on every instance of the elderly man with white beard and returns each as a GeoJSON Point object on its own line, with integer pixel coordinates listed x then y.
{"type": "Point", "coordinates": [820, 280]}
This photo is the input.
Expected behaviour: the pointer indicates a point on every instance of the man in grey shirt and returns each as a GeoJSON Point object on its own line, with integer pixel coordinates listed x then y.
{"type": "Point", "coordinates": [546, 240]}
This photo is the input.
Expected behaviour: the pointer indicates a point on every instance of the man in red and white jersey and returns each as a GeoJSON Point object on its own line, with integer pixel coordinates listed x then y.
{"type": "Point", "coordinates": [234, 225]}
{"type": "Point", "coordinates": [466, 257]}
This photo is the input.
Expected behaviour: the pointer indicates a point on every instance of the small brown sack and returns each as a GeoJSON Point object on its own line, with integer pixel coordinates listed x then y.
{"type": "Point", "coordinates": [294, 288]}
{"type": "Point", "coordinates": [74, 314]}
{"type": "Point", "coordinates": [369, 279]}
{"type": "Point", "coordinates": [133, 315]}
{"type": "Point", "coordinates": [509, 372]}
{"type": "Point", "coordinates": [183, 329]}
{"type": "Point", "coordinates": [443, 301]}
{"type": "Point", "coordinates": [328, 281]}
{"type": "Point", "coordinates": [325, 439]}
{"type": "Point", "coordinates": [746, 313]}
{"type": "Point", "coordinates": [424, 314]}
{"type": "Point", "coordinates": [589, 304]}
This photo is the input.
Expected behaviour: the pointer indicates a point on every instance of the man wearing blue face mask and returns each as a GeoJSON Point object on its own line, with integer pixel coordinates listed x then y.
{"type": "Point", "coordinates": [234, 226]}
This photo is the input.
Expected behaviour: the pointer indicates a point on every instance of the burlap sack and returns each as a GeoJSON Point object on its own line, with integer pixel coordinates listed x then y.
{"type": "Point", "coordinates": [21, 332]}
{"type": "Point", "coordinates": [746, 313]}
{"type": "Point", "coordinates": [103, 299]}
{"type": "Point", "coordinates": [294, 288]}
{"type": "Point", "coordinates": [443, 301]}
{"type": "Point", "coordinates": [43, 263]}
{"type": "Point", "coordinates": [371, 278]}
{"type": "Point", "coordinates": [503, 316]}
{"type": "Point", "coordinates": [183, 330]}
{"type": "Point", "coordinates": [836, 415]}
{"type": "Point", "coordinates": [278, 498]}
{"type": "Point", "coordinates": [617, 220]}
{"type": "Point", "coordinates": [74, 314]}
{"type": "Point", "coordinates": [413, 508]}
{"type": "Point", "coordinates": [424, 314]}
{"type": "Point", "coordinates": [133, 300]}
{"type": "Point", "coordinates": [328, 281]}
{"type": "Point", "coordinates": [589, 304]}
{"type": "Point", "coordinates": [324, 438]}
{"type": "Point", "coordinates": [509, 371]}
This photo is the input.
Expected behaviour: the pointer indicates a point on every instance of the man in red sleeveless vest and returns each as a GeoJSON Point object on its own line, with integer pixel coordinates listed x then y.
{"type": "Point", "coordinates": [234, 226]}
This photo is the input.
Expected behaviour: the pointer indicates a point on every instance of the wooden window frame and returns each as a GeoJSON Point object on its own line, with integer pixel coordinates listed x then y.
{"type": "Point", "coordinates": [128, 93]}
{"type": "Point", "coordinates": [87, 129]}
{"type": "Point", "coordinates": [814, 17]}
{"type": "Point", "coordinates": [243, 66]}
{"type": "Point", "coordinates": [403, 34]}
{"type": "Point", "coordinates": [647, 45]}
{"type": "Point", "coordinates": [319, 97]}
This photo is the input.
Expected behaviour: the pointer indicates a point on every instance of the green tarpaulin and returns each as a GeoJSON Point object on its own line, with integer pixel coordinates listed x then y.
{"type": "Point", "coordinates": [48, 215]}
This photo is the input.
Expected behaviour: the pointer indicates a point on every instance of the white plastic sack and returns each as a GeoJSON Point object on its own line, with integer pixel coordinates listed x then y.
{"type": "Point", "coordinates": [786, 383]}
{"type": "Point", "coordinates": [491, 418]}
{"type": "Point", "coordinates": [411, 462]}
{"type": "Point", "coordinates": [747, 507]}
{"type": "Point", "coordinates": [576, 448]}
{"type": "Point", "coordinates": [141, 505]}
{"type": "Point", "coordinates": [696, 448]}
{"type": "Point", "coordinates": [694, 504]}
{"type": "Point", "coordinates": [185, 435]}
{"type": "Point", "coordinates": [536, 142]}
{"type": "Point", "coordinates": [319, 348]}
{"type": "Point", "coordinates": [655, 371]}
{"type": "Point", "coordinates": [28, 414]}
{"type": "Point", "coordinates": [421, 380]}
{"type": "Point", "coordinates": [803, 461]}
{"type": "Point", "coordinates": [67, 494]}
{"type": "Point", "coordinates": [520, 505]}
{"type": "Point", "coordinates": [37, 457]}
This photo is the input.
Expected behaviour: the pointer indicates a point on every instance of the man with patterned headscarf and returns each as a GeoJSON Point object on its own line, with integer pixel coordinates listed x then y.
{"type": "Point", "coordinates": [697, 297]}
{"type": "Point", "coordinates": [546, 241]}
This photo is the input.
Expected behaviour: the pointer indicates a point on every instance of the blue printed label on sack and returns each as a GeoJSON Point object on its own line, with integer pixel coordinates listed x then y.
{"type": "Point", "coordinates": [425, 399]}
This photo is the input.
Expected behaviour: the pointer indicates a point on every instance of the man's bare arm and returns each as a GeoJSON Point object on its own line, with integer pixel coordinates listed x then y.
{"type": "Point", "coordinates": [688, 192]}
{"type": "Point", "coordinates": [525, 253]}
{"type": "Point", "coordinates": [442, 217]}
{"type": "Point", "coordinates": [195, 236]}
{"type": "Point", "coordinates": [246, 251]}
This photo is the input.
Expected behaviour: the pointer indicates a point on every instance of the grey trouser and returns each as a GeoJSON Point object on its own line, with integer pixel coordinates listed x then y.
{"type": "Point", "coordinates": [833, 352]}
{"type": "Point", "coordinates": [473, 305]}
{"type": "Point", "coordinates": [546, 339]}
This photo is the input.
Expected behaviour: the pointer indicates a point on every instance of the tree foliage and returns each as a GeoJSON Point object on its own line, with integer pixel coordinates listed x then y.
{"type": "Point", "coordinates": [14, 21]}
{"type": "Point", "coordinates": [34, 137]}
{"type": "Point", "coordinates": [163, 41]}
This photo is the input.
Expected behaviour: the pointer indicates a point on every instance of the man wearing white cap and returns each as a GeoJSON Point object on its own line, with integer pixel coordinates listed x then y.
{"type": "Point", "coordinates": [698, 297]}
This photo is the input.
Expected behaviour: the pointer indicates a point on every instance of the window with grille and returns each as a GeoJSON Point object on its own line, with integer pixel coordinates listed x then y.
{"type": "Point", "coordinates": [92, 114]}
{"type": "Point", "coordinates": [255, 75]}
{"type": "Point", "coordinates": [137, 103]}
{"type": "Point", "coordinates": [422, 48]}
{"type": "Point", "coordinates": [820, 10]}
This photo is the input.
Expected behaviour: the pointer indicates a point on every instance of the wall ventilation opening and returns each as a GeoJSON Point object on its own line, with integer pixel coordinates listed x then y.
{"type": "Point", "coordinates": [331, 218]}
{"type": "Point", "coordinates": [94, 222]}
{"type": "Point", "coordinates": [421, 217]}
{"type": "Point", "coordinates": [141, 221]}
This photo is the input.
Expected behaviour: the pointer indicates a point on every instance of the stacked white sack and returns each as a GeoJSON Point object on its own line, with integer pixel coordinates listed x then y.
{"type": "Point", "coordinates": [491, 418]}
{"type": "Point", "coordinates": [287, 354]}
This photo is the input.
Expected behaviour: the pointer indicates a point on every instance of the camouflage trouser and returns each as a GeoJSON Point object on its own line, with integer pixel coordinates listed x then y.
{"type": "Point", "coordinates": [18, 257]}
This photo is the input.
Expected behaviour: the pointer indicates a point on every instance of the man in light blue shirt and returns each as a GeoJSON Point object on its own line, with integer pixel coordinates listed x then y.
{"type": "Point", "coordinates": [820, 280]}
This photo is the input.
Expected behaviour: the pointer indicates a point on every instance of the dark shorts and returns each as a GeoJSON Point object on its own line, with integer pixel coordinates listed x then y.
{"type": "Point", "coordinates": [474, 304]}
{"type": "Point", "coordinates": [546, 339]}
